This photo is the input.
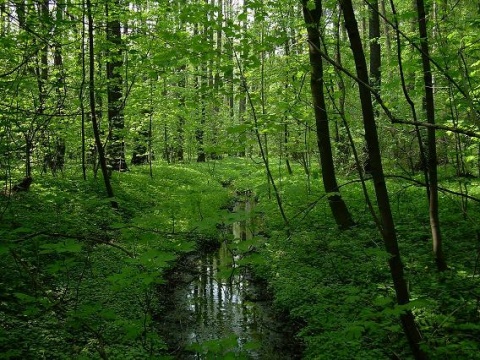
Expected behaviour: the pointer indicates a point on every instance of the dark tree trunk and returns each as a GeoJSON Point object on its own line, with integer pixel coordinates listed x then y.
{"type": "Point", "coordinates": [58, 60]}
{"type": "Point", "coordinates": [386, 219]}
{"type": "Point", "coordinates": [242, 96]}
{"type": "Point", "coordinates": [342, 142]}
{"type": "Point", "coordinates": [93, 113]}
{"type": "Point", "coordinates": [432, 147]}
{"type": "Point", "coordinates": [242, 107]}
{"type": "Point", "coordinates": [182, 83]}
{"type": "Point", "coordinates": [202, 83]}
{"type": "Point", "coordinates": [116, 148]}
{"type": "Point", "coordinates": [229, 66]}
{"type": "Point", "coordinates": [374, 37]}
{"type": "Point", "coordinates": [3, 21]}
{"type": "Point", "coordinates": [285, 118]}
{"type": "Point", "coordinates": [82, 106]}
{"type": "Point", "coordinates": [337, 205]}
{"type": "Point", "coordinates": [375, 57]}
{"type": "Point", "coordinates": [386, 28]}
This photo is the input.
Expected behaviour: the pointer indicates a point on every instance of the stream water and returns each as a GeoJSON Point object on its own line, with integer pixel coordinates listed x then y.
{"type": "Point", "coordinates": [217, 311]}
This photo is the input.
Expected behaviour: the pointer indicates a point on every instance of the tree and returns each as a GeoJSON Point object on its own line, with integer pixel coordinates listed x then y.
{"type": "Point", "coordinates": [387, 226]}
{"type": "Point", "coordinates": [339, 209]}
{"type": "Point", "coordinates": [116, 146]}
{"type": "Point", "coordinates": [432, 144]}
{"type": "Point", "coordinates": [93, 111]}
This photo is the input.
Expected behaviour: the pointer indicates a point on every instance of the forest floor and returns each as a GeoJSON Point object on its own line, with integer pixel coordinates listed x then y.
{"type": "Point", "coordinates": [80, 280]}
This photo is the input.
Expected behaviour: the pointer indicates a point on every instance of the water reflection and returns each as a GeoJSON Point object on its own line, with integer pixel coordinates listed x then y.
{"type": "Point", "coordinates": [211, 316]}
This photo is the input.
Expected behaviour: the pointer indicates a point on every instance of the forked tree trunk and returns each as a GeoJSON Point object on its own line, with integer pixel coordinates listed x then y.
{"type": "Point", "coordinates": [387, 225]}
{"type": "Point", "coordinates": [337, 205]}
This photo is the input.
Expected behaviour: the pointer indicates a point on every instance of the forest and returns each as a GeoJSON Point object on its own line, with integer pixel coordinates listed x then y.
{"type": "Point", "coordinates": [239, 179]}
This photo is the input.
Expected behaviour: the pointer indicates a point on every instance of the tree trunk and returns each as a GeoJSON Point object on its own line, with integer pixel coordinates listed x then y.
{"type": "Point", "coordinates": [116, 152]}
{"type": "Point", "coordinates": [374, 37]}
{"type": "Point", "coordinates": [93, 114]}
{"type": "Point", "coordinates": [80, 97]}
{"type": "Point", "coordinates": [180, 137]}
{"type": "Point", "coordinates": [432, 146]}
{"type": "Point", "coordinates": [386, 29]}
{"type": "Point", "coordinates": [242, 96]}
{"type": "Point", "coordinates": [202, 83]}
{"type": "Point", "coordinates": [387, 225]}
{"type": "Point", "coordinates": [337, 205]}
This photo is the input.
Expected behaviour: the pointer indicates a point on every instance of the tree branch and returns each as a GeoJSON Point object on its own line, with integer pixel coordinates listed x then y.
{"type": "Point", "coordinates": [76, 237]}
{"type": "Point", "coordinates": [386, 110]}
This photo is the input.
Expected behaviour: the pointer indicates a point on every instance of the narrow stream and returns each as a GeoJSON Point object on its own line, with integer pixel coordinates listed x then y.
{"type": "Point", "coordinates": [217, 312]}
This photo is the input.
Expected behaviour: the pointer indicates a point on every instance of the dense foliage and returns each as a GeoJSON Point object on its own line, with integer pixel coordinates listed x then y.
{"type": "Point", "coordinates": [128, 128]}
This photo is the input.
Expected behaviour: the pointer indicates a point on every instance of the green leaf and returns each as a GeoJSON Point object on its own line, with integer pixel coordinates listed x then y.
{"type": "Point", "coordinates": [156, 258]}
{"type": "Point", "coordinates": [311, 5]}
{"type": "Point", "coordinates": [354, 332]}
{"type": "Point", "coordinates": [67, 246]}
{"type": "Point", "coordinates": [240, 128]}
{"type": "Point", "coordinates": [383, 301]}
{"type": "Point", "coordinates": [242, 16]}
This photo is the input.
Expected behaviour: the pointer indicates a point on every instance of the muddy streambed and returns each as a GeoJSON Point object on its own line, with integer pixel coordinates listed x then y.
{"type": "Point", "coordinates": [215, 310]}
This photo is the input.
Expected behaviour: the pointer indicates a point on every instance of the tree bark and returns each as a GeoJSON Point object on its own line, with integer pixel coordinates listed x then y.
{"type": "Point", "coordinates": [431, 138]}
{"type": "Point", "coordinates": [337, 205]}
{"type": "Point", "coordinates": [116, 147]}
{"type": "Point", "coordinates": [375, 50]}
{"type": "Point", "coordinates": [93, 114]}
{"type": "Point", "coordinates": [386, 219]}
{"type": "Point", "coordinates": [180, 136]}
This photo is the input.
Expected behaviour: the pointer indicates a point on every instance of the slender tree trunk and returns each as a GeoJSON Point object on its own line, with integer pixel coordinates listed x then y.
{"type": "Point", "coordinates": [375, 57]}
{"type": "Point", "coordinates": [42, 68]}
{"type": "Point", "coordinates": [3, 20]}
{"type": "Point", "coordinates": [218, 80]}
{"type": "Point", "coordinates": [387, 225]}
{"type": "Point", "coordinates": [150, 132]}
{"type": "Point", "coordinates": [432, 146]}
{"type": "Point", "coordinates": [410, 102]}
{"type": "Point", "coordinates": [343, 146]}
{"type": "Point", "coordinates": [375, 50]}
{"type": "Point", "coordinates": [82, 89]}
{"type": "Point", "coordinates": [199, 132]}
{"type": "Point", "coordinates": [229, 68]}
{"type": "Point", "coordinates": [61, 89]}
{"type": "Point", "coordinates": [337, 205]}
{"type": "Point", "coordinates": [116, 146]}
{"type": "Point", "coordinates": [180, 137]}
{"type": "Point", "coordinates": [219, 43]}
{"type": "Point", "coordinates": [204, 83]}
{"type": "Point", "coordinates": [386, 30]}
{"type": "Point", "coordinates": [20, 9]}
{"type": "Point", "coordinates": [242, 108]}
{"type": "Point", "coordinates": [263, 102]}
{"type": "Point", "coordinates": [242, 97]}
{"type": "Point", "coordinates": [93, 113]}
{"type": "Point", "coordinates": [285, 118]}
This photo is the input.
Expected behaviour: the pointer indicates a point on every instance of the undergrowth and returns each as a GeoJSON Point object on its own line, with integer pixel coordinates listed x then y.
{"type": "Point", "coordinates": [79, 279]}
